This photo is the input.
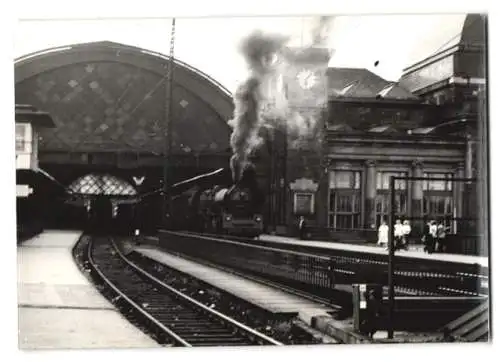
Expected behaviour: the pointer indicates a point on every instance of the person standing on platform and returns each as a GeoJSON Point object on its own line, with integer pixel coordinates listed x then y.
{"type": "Point", "coordinates": [398, 235]}
{"type": "Point", "coordinates": [426, 236]}
{"type": "Point", "coordinates": [406, 229]}
{"type": "Point", "coordinates": [383, 234]}
{"type": "Point", "coordinates": [302, 228]}
{"type": "Point", "coordinates": [441, 236]}
{"type": "Point", "coordinates": [432, 237]}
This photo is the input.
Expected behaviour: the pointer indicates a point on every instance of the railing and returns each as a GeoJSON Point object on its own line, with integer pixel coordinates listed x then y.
{"type": "Point", "coordinates": [420, 313]}
{"type": "Point", "coordinates": [269, 262]}
{"type": "Point", "coordinates": [412, 276]}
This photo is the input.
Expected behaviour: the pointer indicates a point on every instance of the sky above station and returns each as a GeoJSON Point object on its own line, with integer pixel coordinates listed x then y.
{"type": "Point", "coordinates": [393, 42]}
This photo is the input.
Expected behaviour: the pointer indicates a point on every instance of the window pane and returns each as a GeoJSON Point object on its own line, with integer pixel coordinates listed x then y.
{"type": "Point", "coordinates": [356, 221]}
{"type": "Point", "coordinates": [331, 179]}
{"type": "Point", "coordinates": [384, 180]}
{"type": "Point", "coordinates": [438, 185]}
{"type": "Point", "coordinates": [344, 221]}
{"type": "Point", "coordinates": [400, 206]}
{"type": "Point", "coordinates": [378, 204]}
{"type": "Point", "coordinates": [357, 182]}
{"type": "Point", "coordinates": [331, 218]}
{"type": "Point", "coordinates": [332, 202]}
{"type": "Point", "coordinates": [357, 203]}
{"type": "Point", "coordinates": [20, 137]}
{"type": "Point", "coordinates": [344, 203]}
{"type": "Point", "coordinates": [343, 180]}
{"type": "Point", "coordinates": [438, 206]}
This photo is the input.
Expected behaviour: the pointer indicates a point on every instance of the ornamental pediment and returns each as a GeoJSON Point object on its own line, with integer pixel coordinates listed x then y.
{"type": "Point", "coordinates": [304, 184]}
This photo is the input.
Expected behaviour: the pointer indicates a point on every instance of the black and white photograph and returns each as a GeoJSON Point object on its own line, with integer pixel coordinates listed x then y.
{"type": "Point", "coordinates": [238, 181]}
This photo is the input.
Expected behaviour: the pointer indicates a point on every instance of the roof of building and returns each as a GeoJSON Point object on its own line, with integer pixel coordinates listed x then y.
{"type": "Point", "coordinates": [106, 97]}
{"type": "Point", "coordinates": [362, 83]}
{"type": "Point", "coordinates": [456, 49]}
{"type": "Point", "coordinates": [451, 30]}
{"type": "Point", "coordinates": [28, 113]}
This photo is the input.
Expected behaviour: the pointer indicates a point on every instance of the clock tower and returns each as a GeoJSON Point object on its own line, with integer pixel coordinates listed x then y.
{"type": "Point", "coordinates": [305, 77]}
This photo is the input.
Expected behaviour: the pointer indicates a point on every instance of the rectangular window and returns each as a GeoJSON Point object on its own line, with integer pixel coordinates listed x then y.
{"type": "Point", "coordinates": [345, 180]}
{"type": "Point", "coordinates": [382, 199]}
{"type": "Point", "coordinates": [438, 198]}
{"type": "Point", "coordinates": [345, 200]}
{"type": "Point", "coordinates": [21, 137]}
{"type": "Point", "coordinates": [382, 207]}
{"type": "Point", "coordinates": [384, 180]}
{"type": "Point", "coordinates": [437, 185]}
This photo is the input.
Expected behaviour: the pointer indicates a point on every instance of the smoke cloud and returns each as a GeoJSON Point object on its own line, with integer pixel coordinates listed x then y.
{"type": "Point", "coordinates": [301, 127]}
{"type": "Point", "coordinates": [320, 30]}
{"type": "Point", "coordinates": [261, 100]}
{"type": "Point", "coordinates": [259, 51]}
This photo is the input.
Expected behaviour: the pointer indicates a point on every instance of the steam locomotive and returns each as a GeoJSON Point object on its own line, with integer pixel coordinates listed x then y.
{"type": "Point", "coordinates": [233, 209]}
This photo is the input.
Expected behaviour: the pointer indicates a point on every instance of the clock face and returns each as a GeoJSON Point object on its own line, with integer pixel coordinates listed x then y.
{"type": "Point", "coordinates": [307, 79]}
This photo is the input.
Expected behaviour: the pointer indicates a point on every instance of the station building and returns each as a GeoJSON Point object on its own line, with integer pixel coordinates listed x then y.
{"type": "Point", "coordinates": [35, 188]}
{"type": "Point", "coordinates": [428, 124]}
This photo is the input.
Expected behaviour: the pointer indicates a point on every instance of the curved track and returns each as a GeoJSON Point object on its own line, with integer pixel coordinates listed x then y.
{"type": "Point", "coordinates": [174, 317]}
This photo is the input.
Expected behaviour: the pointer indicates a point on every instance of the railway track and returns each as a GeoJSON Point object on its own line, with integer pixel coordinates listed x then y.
{"type": "Point", "coordinates": [173, 317]}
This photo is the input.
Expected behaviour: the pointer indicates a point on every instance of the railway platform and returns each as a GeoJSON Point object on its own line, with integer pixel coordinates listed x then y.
{"type": "Point", "coordinates": [58, 307]}
{"type": "Point", "coordinates": [314, 314]}
{"type": "Point", "coordinates": [414, 252]}
{"type": "Point", "coordinates": [271, 299]}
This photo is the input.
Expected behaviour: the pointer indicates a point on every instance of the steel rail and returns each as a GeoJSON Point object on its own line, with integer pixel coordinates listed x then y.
{"type": "Point", "coordinates": [206, 309]}
{"type": "Point", "coordinates": [152, 319]}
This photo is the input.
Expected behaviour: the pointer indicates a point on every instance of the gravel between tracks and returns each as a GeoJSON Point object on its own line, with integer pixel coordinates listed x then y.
{"type": "Point", "coordinates": [284, 329]}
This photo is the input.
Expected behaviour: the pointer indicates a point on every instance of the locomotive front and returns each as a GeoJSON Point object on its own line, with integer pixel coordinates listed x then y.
{"type": "Point", "coordinates": [241, 207]}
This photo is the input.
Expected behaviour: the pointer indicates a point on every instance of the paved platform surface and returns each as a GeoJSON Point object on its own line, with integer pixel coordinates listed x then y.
{"type": "Point", "coordinates": [271, 299]}
{"type": "Point", "coordinates": [58, 307]}
{"type": "Point", "coordinates": [415, 253]}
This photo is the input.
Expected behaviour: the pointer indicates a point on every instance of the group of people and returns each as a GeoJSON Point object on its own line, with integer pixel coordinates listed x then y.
{"type": "Point", "coordinates": [401, 234]}
{"type": "Point", "coordinates": [434, 236]}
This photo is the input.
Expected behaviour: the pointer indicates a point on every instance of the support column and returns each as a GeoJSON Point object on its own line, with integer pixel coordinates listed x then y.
{"type": "Point", "coordinates": [470, 194]}
{"type": "Point", "coordinates": [370, 194]}
{"type": "Point", "coordinates": [322, 198]}
{"type": "Point", "coordinates": [468, 156]}
{"type": "Point", "coordinates": [458, 192]}
{"type": "Point", "coordinates": [417, 195]}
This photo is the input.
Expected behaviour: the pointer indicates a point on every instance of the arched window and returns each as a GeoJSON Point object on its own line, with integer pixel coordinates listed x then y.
{"type": "Point", "coordinates": [93, 184]}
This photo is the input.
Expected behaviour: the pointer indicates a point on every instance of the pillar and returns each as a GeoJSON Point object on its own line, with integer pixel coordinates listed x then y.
{"type": "Point", "coordinates": [322, 197]}
{"type": "Point", "coordinates": [458, 192]}
{"type": "Point", "coordinates": [370, 194]}
{"type": "Point", "coordinates": [417, 195]}
{"type": "Point", "coordinates": [470, 195]}
{"type": "Point", "coordinates": [468, 156]}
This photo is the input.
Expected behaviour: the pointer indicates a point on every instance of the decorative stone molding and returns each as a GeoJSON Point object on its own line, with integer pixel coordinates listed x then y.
{"type": "Point", "coordinates": [304, 184]}
{"type": "Point", "coordinates": [417, 164]}
{"type": "Point", "coordinates": [370, 163]}
{"type": "Point", "coordinates": [342, 165]}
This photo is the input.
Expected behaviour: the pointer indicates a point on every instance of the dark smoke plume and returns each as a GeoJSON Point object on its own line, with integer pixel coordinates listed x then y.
{"type": "Point", "coordinates": [258, 50]}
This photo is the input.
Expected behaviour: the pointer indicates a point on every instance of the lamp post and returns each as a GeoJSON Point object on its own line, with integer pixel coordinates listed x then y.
{"type": "Point", "coordinates": [168, 131]}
